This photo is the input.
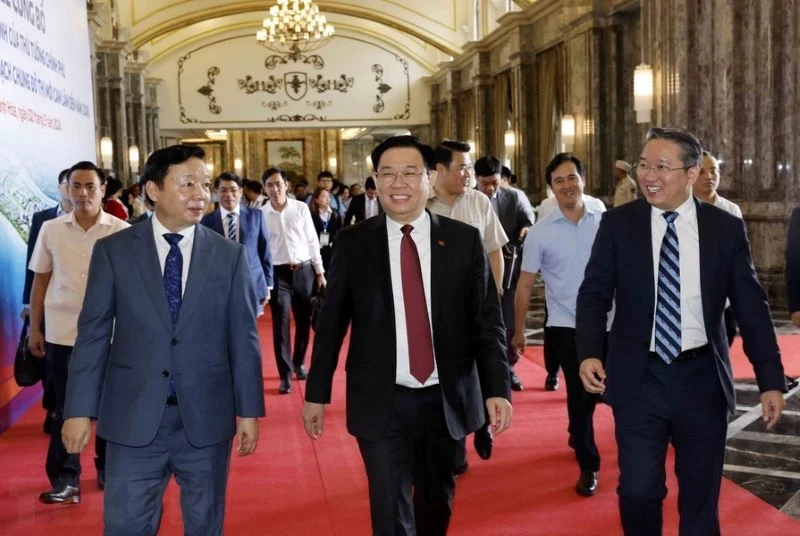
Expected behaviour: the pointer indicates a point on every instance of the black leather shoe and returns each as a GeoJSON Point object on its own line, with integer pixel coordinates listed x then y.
{"type": "Point", "coordinates": [483, 442]}
{"type": "Point", "coordinates": [300, 372]}
{"type": "Point", "coordinates": [516, 384]}
{"type": "Point", "coordinates": [61, 495]}
{"type": "Point", "coordinates": [460, 469]}
{"type": "Point", "coordinates": [101, 479]}
{"type": "Point", "coordinates": [587, 483]}
{"type": "Point", "coordinates": [285, 387]}
{"type": "Point", "coordinates": [551, 382]}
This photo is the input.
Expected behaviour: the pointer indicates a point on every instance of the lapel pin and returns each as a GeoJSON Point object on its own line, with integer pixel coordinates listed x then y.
{"type": "Point", "coordinates": [440, 242]}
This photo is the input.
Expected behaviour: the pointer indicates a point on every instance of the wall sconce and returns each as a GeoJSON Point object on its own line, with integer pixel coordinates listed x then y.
{"type": "Point", "coordinates": [368, 162]}
{"type": "Point", "coordinates": [510, 140]}
{"type": "Point", "coordinates": [332, 164]}
{"type": "Point", "coordinates": [210, 167]}
{"type": "Point", "coordinates": [643, 92]}
{"type": "Point", "coordinates": [238, 166]}
{"type": "Point", "coordinates": [106, 151]}
{"type": "Point", "coordinates": [133, 158]}
{"type": "Point", "coordinates": [472, 147]}
{"type": "Point", "coordinates": [567, 132]}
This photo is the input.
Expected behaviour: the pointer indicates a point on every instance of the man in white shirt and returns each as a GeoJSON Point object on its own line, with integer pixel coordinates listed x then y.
{"type": "Point", "coordinates": [625, 191]}
{"type": "Point", "coordinates": [452, 197]}
{"type": "Point", "coordinates": [60, 261]}
{"type": "Point", "coordinates": [297, 272]}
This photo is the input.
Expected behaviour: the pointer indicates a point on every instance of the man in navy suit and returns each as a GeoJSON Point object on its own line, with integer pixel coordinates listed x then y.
{"type": "Point", "coordinates": [670, 262]}
{"type": "Point", "coordinates": [245, 226]}
{"type": "Point", "coordinates": [167, 356]}
{"type": "Point", "coordinates": [64, 206]}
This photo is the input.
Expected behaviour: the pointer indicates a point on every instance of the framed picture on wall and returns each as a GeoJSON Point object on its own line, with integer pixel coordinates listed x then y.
{"type": "Point", "coordinates": [287, 155]}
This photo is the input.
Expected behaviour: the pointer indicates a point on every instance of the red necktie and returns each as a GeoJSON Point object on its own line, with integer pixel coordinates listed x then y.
{"type": "Point", "coordinates": [418, 326]}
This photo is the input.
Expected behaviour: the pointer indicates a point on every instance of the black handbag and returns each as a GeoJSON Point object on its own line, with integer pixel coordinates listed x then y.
{"type": "Point", "coordinates": [27, 368]}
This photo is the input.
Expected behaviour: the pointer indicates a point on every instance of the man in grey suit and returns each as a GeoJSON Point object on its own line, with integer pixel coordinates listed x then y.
{"type": "Point", "coordinates": [167, 356]}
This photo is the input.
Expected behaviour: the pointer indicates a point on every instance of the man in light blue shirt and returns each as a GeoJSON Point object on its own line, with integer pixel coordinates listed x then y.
{"type": "Point", "coordinates": [559, 247]}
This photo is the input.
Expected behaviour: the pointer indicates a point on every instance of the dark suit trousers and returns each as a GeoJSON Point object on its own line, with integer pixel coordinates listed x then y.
{"type": "Point", "coordinates": [507, 303]}
{"type": "Point", "coordinates": [682, 403]}
{"type": "Point", "coordinates": [414, 457]}
{"type": "Point", "coordinates": [291, 289]}
{"type": "Point", "coordinates": [580, 404]}
{"type": "Point", "coordinates": [63, 468]}
{"type": "Point", "coordinates": [136, 478]}
{"type": "Point", "coordinates": [551, 364]}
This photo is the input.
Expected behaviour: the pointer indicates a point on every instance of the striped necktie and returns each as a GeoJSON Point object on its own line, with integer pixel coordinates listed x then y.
{"type": "Point", "coordinates": [173, 275]}
{"type": "Point", "coordinates": [231, 232]}
{"type": "Point", "coordinates": [668, 306]}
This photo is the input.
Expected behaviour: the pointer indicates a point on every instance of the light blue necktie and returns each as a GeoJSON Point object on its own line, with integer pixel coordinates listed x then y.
{"type": "Point", "coordinates": [232, 226]}
{"type": "Point", "coordinates": [173, 273]}
{"type": "Point", "coordinates": [668, 306]}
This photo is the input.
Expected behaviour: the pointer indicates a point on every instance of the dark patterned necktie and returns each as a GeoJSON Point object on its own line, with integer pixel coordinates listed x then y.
{"type": "Point", "coordinates": [668, 307]}
{"type": "Point", "coordinates": [231, 226]}
{"type": "Point", "coordinates": [173, 273]}
{"type": "Point", "coordinates": [418, 326]}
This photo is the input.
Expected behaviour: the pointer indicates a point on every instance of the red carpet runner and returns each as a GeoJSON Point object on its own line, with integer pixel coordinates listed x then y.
{"type": "Point", "coordinates": [294, 487]}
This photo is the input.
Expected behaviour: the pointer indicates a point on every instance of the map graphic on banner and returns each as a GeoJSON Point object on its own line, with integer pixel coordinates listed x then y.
{"type": "Point", "coordinates": [47, 124]}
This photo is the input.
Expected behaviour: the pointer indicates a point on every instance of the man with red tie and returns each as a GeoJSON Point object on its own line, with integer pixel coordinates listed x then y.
{"type": "Point", "coordinates": [426, 347]}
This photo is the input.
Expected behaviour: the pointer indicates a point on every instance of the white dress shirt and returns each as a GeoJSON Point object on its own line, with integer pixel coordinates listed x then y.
{"type": "Point", "coordinates": [474, 208]}
{"type": "Point", "coordinates": [728, 206]}
{"type": "Point", "coordinates": [693, 328]}
{"type": "Point", "coordinates": [370, 207]}
{"type": "Point", "coordinates": [422, 238]}
{"type": "Point", "coordinates": [223, 212]}
{"type": "Point", "coordinates": [65, 249]}
{"type": "Point", "coordinates": [292, 236]}
{"type": "Point", "coordinates": [186, 245]}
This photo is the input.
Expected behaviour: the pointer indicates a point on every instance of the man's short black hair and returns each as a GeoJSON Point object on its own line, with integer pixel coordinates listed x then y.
{"type": "Point", "coordinates": [63, 176]}
{"type": "Point", "coordinates": [270, 172]}
{"type": "Point", "coordinates": [443, 154]}
{"type": "Point", "coordinates": [486, 166]}
{"type": "Point", "coordinates": [369, 184]}
{"type": "Point", "coordinates": [690, 146]}
{"type": "Point", "coordinates": [85, 165]}
{"type": "Point", "coordinates": [324, 174]}
{"type": "Point", "coordinates": [402, 141]}
{"type": "Point", "coordinates": [254, 186]}
{"type": "Point", "coordinates": [505, 172]}
{"type": "Point", "coordinates": [113, 185]}
{"type": "Point", "coordinates": [559, 159]}
{"type": "Point", "coordinates": [227, 176]}
{"type": "Point", "coordinates": [157, 165]}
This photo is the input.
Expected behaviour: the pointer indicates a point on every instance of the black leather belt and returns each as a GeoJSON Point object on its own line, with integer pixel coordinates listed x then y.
{"type": "Point", "coordinates": [687, 355]}
{"type": "Point", "coordinates": [293, 267]}
{"type": "Point", "coordinates": [172, 400]}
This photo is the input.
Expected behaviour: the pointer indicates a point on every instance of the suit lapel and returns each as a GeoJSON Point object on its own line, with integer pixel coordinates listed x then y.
{"type": "Point", "coordinates": [202, 253]}
{"type": "Point", "coordinates": [244, 220]}
{"type": "Point", "coordinates": [150, 269]}
{"type": "Point", "coordinates": [437, 264]}
{"type": "Point", "coordinates": [645, 253]}
{"type": "Point", "coordinates": [380, 256]}
{"type": "Point", "coordinates": [707, 245]}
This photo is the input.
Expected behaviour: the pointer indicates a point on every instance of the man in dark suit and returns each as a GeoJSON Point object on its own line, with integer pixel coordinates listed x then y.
{"type": "Point", "coordinates": [669, 262]}
{"type": "Point", "coordinates": [426, 339]}
{"type": "Point", "coordinates": [793, 267]}
{"type": "Point", "coordinates": [167, 356]}
{"type": "Point", "coordinates": [364, 205]}
{"type": "Point", "coordinates": [516, 219]}
{"type": "Point", "coordinates": [245, 226]}
{"type": "Point", "coordinates": [148, 204]}
{"type": "Point", "coordinates": [64, 206]}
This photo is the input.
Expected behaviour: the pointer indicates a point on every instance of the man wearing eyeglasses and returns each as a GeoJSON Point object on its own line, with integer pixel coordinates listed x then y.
{"type": "Point", "coordinates": [245, 226]}
{"type": "Point", "coordinates": [451, 196]}
{"type": "Point", "coordinates": [427, 345]}
{"type": "Point", "coordinates": [669, 263]}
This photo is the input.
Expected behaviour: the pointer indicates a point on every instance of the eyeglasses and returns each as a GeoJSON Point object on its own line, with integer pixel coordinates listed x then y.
{"type": "Point", "coordinates": [409, 174]}
{"type": "Point", "coordinates": [659, 170]}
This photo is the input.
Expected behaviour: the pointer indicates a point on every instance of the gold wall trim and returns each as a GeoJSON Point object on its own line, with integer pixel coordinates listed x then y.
{"type": "Point", "coordinates": [249, 26]}
{"type": "Point", "coordinates": [258, 6]}
{"type": "Point", "coordinates": [424, 15]}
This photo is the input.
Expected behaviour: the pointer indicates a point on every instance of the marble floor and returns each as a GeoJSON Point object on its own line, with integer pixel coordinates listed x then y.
{"type": "Point", "coordinates": [766, 463]}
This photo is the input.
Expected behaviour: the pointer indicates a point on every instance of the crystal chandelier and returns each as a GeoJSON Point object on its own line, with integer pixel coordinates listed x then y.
{"type": "Point", "coordinates": [294, 25]}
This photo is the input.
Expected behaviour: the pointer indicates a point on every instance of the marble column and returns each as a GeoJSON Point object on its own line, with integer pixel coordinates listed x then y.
{"type": "Point", "coordinates": [111, 91]}
{"type": "Point", "coordinates": [152, 126]}
{"type": "Point", "coordinates": [136, 111]}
